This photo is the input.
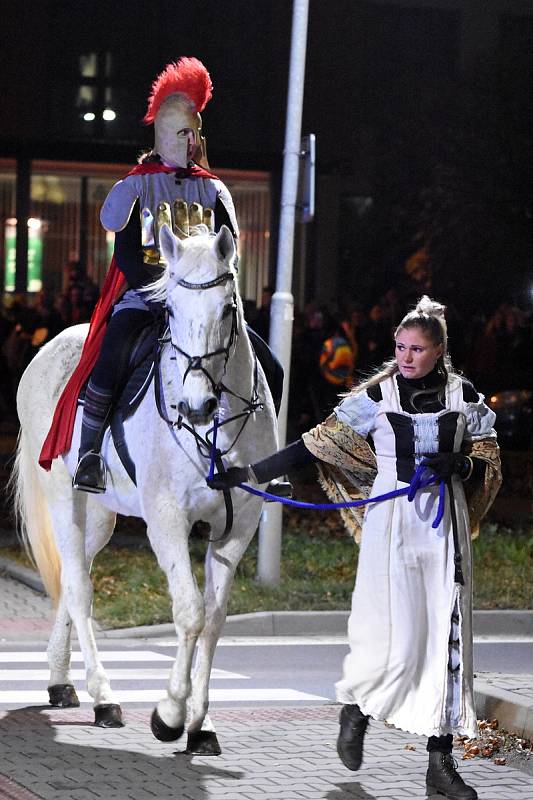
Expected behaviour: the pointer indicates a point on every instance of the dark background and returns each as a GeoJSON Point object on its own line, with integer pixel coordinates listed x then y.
{"type": "Point", "coordinates": [423, 113]}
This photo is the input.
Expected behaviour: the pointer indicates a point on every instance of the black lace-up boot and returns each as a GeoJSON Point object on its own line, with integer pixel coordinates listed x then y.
{"type": "Point", "coordinates": [351, 735]}
{"type": "Point", "coordinates": [443, 779]}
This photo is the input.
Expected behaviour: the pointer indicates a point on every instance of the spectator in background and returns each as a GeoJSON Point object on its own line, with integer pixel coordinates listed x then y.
{"type": "Point", "coordinates": [379, 332]}
{"type": "Point", "coordinates": [262, 319]}
{"type": "Point", "coordinates": [49, 316]}
{"type": "Point", "coordinates": [500, 356]}
{"type": "Point", "coordinates": [20, 346]}
{"type": "Point", "coordinates": [336, 363]}
{"type": "Point", "coordinates": [7, 394]}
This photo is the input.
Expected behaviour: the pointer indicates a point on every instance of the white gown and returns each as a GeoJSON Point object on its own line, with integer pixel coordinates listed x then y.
{"type": "Point", "coordinates": [410, 629]}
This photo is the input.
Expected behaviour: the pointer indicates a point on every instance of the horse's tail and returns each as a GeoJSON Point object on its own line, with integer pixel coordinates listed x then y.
{"type": "Point", "coordinates": [32, 517]}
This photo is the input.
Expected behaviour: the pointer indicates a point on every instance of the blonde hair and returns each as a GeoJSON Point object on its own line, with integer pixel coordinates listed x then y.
{"type": "Point", "coordinates": [428, 316]}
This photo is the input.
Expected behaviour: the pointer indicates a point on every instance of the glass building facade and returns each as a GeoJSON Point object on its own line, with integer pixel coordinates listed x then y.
{"type": "Point", "coordinates": [64, 225]}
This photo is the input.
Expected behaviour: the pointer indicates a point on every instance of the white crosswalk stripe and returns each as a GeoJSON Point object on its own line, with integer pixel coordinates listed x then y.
{"type": "Point", "coordinates": [39, 656]}
{"type": "Point", "coordinates": [21, 670]}
{"type": "Point", "coordinates": [40, 697]}
{"type": "Point", "coordinates": [112, 674]}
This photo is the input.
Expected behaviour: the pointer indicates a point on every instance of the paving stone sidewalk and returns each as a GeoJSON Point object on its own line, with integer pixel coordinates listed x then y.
{"type": "Point", "coordinates": [286, 753]}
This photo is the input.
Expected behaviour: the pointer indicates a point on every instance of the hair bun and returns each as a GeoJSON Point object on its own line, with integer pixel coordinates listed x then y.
{"type": "Point", "coordinates": [430, 307]}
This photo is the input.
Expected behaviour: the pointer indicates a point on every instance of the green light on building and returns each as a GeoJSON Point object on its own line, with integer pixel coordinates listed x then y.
{"type": "Point", "coordinates": [35, 255]}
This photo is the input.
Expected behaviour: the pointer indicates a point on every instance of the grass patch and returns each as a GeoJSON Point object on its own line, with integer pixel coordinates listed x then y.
{"type": "Point", "coordinates": [130, 589]}
{"type": "Point", "coordinates": [503, 567]}
{"type": "Point", "coordinates": [317, 573]}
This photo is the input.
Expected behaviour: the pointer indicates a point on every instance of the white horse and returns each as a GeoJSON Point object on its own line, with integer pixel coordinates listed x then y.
{"type": "Point", "coordinates": [207, 366]}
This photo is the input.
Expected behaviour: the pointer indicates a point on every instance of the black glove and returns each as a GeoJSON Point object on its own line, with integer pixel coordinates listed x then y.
{"type": "Point", "coordinates": [444, 465]}
{"type": "Point", "coordinates": [227, 480]}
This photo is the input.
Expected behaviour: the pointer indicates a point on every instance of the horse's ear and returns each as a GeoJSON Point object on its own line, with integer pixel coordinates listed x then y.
{"type": "Point", "coordinates": [225, 244]}
{"type": "Point", "coordinates": [171, 247]}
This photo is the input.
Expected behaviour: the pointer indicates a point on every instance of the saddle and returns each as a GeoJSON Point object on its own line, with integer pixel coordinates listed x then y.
{"type": "Point", "coordinates": [135, 370]}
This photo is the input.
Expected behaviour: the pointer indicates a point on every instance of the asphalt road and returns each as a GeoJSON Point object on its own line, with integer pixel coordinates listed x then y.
{"type": "Point", "coordinates": [251, 671]}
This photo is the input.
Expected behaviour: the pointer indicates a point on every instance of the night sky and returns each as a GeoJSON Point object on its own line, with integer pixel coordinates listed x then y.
{"type": "Point", "coordinates": [424, 107]}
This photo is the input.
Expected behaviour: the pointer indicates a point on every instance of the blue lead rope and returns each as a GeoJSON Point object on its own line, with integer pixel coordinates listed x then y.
{"type": "Point", "coordinates": [418, 481]}
{"type": "Point", "coordinates": [421, 484]}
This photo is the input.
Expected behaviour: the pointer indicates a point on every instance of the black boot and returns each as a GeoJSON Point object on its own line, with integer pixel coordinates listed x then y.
{"type": "Point", "coordinates": [351, 735]}
{"type": "Point", "coordinates": [443, 779]}
{"type": "Point", "coordinates": [90, 475]}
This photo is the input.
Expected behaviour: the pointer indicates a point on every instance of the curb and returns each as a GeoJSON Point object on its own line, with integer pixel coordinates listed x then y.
{"type": "Point", "coordinates": [505, 622]}
{"type": "Point", "coordinates": [513, 712]}
{"type": "Point", "coordinates": [258, 623]}
{"type": "Point", "coordinates": [25, 575]}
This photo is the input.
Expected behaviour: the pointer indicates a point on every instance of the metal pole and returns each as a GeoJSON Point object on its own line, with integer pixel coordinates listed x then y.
{"type": "Point", "coordinates": [282, 308]}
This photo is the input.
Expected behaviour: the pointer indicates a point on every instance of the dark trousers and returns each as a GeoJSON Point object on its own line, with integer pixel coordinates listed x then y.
{"type": "Point", "coordinates": [441, 744]}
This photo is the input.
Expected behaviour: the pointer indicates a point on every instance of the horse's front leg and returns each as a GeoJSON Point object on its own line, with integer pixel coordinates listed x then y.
{"type": "Point", "coordinates": [220, 565]}
{"type": "Point", "coordinates": [168, 536]}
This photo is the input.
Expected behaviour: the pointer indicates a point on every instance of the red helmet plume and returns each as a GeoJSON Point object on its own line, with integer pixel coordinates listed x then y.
{"type": "Point", "coordinates": [188, 76]}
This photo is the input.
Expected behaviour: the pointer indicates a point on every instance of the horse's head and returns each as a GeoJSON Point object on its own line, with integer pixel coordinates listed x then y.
{"type": "Point", "coordinates": [201, 301]}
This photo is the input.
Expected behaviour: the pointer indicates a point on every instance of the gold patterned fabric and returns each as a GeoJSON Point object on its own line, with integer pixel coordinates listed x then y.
{"type": "Point", "coordinates": [347, 470]}
{"type": "Point", "coordinates": [480, 492]}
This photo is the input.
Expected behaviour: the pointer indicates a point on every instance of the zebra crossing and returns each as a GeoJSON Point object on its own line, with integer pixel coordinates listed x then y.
{"type": "Point", "coordinates": [137, 677]}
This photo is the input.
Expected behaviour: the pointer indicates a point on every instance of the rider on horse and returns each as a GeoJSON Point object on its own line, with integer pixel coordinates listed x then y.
{"type": "Point", "coordinates": [171, 185]}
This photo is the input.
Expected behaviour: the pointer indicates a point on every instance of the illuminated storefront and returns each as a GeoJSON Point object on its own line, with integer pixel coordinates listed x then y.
{"type": "Point", "coordinates": [64, 226]}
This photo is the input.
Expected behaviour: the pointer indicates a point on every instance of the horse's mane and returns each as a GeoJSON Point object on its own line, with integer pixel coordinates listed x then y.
{"type": "Point", "coordinates": [200, 236]}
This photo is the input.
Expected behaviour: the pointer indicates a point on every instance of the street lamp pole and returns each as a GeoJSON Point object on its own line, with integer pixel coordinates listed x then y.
{"type": "Point", "coordinates": [282, 307]}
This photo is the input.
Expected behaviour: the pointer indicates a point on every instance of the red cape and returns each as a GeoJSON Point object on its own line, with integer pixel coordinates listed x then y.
{"type": "Point", "coordinates": [59, 436]}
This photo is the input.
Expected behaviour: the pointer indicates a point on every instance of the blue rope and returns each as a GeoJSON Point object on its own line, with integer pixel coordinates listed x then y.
{"type": "Point", "coordinates": [418, 481]}
{"type": "Point", "coordinates": [287, 501]}
{"type": "Point", "coordinates": [440, 509]}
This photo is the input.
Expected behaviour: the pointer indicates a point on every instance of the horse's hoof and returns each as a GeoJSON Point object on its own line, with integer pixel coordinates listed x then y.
{"type": "Point", "coordinates": [108, 715]}
{"type": "Point", "coordinates": [162, 731]}
{"type": "Point", "coordinates": [203, 743]}
{"type": "Point", "coordinates": [63, 695]}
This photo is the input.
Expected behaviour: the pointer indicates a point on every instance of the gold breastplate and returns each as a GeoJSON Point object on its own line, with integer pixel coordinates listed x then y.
{"type": "Point", "coordinates": [180, 217]}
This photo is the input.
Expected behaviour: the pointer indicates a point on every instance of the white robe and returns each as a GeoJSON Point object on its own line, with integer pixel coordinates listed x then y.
{"type": "Point", "coordinates": [405, 593]}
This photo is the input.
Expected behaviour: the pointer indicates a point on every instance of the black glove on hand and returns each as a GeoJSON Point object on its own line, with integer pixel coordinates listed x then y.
{"type": "Point", "coordinates": [227, 480]}
{"type": "Point", "coordinates": [444, 465]}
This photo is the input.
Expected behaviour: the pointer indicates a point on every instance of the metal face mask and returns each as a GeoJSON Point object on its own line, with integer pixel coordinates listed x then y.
{"type": "Point", "coordinates": [177, 131]}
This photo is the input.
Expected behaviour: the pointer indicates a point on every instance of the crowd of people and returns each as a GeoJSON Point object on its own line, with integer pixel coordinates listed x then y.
{"type": "Point", "coordinates": [331, 350]}
{"type": "Point", "coordinates": [27, 323]}
{"type": "Point", "coordinates": [334, 351]}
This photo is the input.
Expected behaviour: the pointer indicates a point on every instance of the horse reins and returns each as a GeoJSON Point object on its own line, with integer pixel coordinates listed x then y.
{"type": "Point", "coordinates": [206, 446]}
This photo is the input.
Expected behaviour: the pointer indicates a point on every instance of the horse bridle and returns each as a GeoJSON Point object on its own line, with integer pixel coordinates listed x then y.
{"type": "Point", "coordinates": [195, 363]}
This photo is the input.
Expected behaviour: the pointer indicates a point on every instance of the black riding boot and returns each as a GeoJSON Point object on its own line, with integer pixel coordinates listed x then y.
{"type": "Point", "coordinates": [90, 475]}
{"type": "Point", "coordinates": [123, 326]}
{"type": "Point", "coordinates": [351, 735]}
{"type": "Point", "coordinates": [443, 779]}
